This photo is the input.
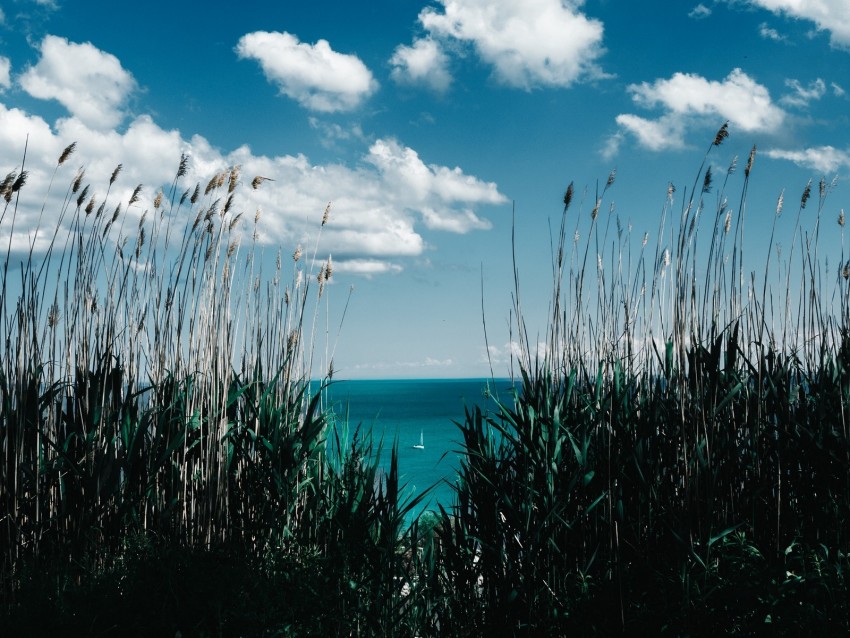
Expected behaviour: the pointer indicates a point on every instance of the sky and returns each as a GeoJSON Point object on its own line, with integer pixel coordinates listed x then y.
{"type": "Point", "coordinates": [434, 129]}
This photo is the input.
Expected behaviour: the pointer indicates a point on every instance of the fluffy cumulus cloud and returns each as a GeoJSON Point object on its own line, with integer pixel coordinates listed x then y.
{"type": "Point", "coordinates": [90, 83]}
{"type": "Point", "coordinates": [824, 159]}
{"type": "Point", "coordinates": [381, 205]}
{"type": "Point", "coordinates": [687, 98]}
{"type": "Point", "coordinates": [314, 75]}
{"type": "Point", "coordinates": [828, 15]}
{"type": "Point", "coordinates": [529, 43]}
{"type": "Point", "coordinates": [423, 63]}
{"type": "Point", "coordinates": [378, 207]}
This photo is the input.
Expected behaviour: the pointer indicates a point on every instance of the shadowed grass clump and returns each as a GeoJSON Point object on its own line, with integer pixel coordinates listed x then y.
{"type": "Point", "coordinates": [676, 459]}
{"type": "Point", "coordinates": [159, 419]}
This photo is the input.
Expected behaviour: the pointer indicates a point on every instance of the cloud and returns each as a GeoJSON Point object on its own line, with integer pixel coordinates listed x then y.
{"type": "Point", "coordinates": [90, 83]}
{"type": "Point", "coordinates": [367, 267]}
{"type": "Point", "coordinates": [828, 15]}
{"type": "Point", "coordinates": [664, 133]}
{"type": "Point", "coordinates": [434, 190]}
{"type": "Point", "coordinates": [801, 96]}
{"type": "Point", "coordinates": [5, 70]}
{"type": "Point", "coordinates": [824, 159]}
{"type": "Point", "coordinates": [529, 43]}
{"type": "Point", "coordinates": [689, 98]}
{"type": "Point", "coordinates": [332, 133]}
{"type": "Point", "coordinates": [837, 89]}
{"type": "Point", "coordinates": [314, 75]}
{"type": "Point", "coordinates": [379, 206]}
{"type": "Point", "coordinates": [423, 63]}
{"type": "Point", "coordinates": [769, 33]}
{"type": "Point", "coordinates": [699, 12]}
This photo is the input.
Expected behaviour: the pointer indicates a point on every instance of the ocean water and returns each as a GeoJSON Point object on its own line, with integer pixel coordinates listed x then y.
{"type": "Point", "coordinates": [407, 410]}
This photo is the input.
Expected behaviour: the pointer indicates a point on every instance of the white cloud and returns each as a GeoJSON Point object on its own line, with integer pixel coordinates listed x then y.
{"type": "Point", "coordinates": [700, 11]}
{"type": "Point", "coordinates": [5, 70]}
{"type": "Point", "coordinates": [429, 188]}
{"type": "Point", "coordinates": [828, 15]}
{"type": "Point", "coordinates": [801, 96]}
{"type": "Point", "coordinates": [366, 267]}
{"type": "Point", "coordinates": [424, 62]}
{"type": "Point", "coordinates": [611, 146]}
{"type": "Point", "coordinates": [664, 133]}
{"type": "Point", "coordinates": [824, 159]}
{"type": "Point", "coordinates": [529, 43]}
{"type": "Point", "coordinates": [738, 98]}
{"type": "Point", "coordinates": [378, 207]}
{"type": "Point", "coordinates": [769, 33]}
{"type": "Point", "coordinates": [314, 75]}
{"type": "Point", "coordinates": [688, 98]}
{"type": "Point", "coordinates": [90, 83]}
{"type": "Point", "coordinates": [837, 89]}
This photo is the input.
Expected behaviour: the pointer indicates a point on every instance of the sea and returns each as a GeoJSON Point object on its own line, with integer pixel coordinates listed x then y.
{"type": "Point", "coordinates": [420, 417]}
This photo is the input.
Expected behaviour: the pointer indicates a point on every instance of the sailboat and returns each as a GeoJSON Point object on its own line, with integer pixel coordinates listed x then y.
{"type": "Point", "coordinates": [421, 445]}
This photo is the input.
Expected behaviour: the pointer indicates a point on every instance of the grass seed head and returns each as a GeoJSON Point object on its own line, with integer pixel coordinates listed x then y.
{"type": "Point", "coordinates": [183, 166]}
{"type": "Point", "coordinates": [82, 197]}
{"type": "Point", "coordinates": [259, 179]}
{"type": "Point", "coordinates": [750, 161]}
{"type": "Point", "coordinates": [195, 194]}
{"type": "Point", "coordinates": [806, 194]}
{"type": "Point", "coordinates": [233, 179]}
{"type": "Point", "coordinates": [157, 201]}
{"type": "Point", "coordinates": [115, 174]}
{"type": "Point", "coordinates": [296, 255]}
{"type": "Point", "coordinates": [326, 214]}
{"type": "Point", "coordinates": [779, 202]}
{"type": "Point", "coordinates": [20, 181]}
{"type": "Point", "coordinates": [722, 134]}
{"type": "Point", "coordinates": [568, 196]}
{"type": "Point", "coordinates": [841, 218]}
{"type": "Point", "coordinates": [69, 150]}
{"type": "Point", "coordinates": [78, 180]}
{"type": "Point", "coordinates": [135, 196]}
{"type": "Point", "coordinates": [6, 184]}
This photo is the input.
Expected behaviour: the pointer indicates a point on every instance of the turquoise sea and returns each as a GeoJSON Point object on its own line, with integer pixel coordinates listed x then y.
{"type": "Point", "coordinates": [409, 410]}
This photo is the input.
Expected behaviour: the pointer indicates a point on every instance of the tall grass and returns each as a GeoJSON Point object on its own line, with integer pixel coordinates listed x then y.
{"type": "Point", "coordinates": [155, 386]}
{"type": "Point", "coordinates": [675, 460]}
{"type": "Point", "coordinates": [677, 455]}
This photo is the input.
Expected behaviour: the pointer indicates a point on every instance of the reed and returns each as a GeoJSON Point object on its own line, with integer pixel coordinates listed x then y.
{"type": "Point", "coordinates": [676, 457]}
{"type": "Point", "coordinates": [155, 384]}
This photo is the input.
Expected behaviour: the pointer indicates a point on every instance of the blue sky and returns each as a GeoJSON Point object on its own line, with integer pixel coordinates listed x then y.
{"type": "Point", "coordinates": [425, 124]}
